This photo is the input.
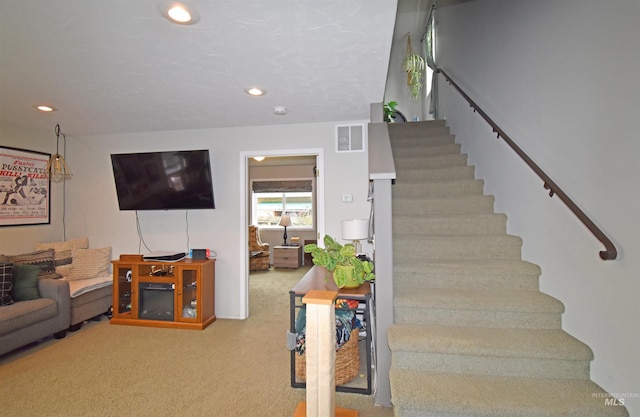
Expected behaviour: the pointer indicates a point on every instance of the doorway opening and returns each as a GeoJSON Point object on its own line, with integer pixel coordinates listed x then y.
{"type": "Point", "coordinates": [265, 206]}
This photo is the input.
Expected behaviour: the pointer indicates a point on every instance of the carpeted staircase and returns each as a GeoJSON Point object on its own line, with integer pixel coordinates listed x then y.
{"type": "Point", "coordinates": [473, 335]}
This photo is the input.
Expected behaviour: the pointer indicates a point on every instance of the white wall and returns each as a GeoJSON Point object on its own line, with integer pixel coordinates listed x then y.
{"type": "Point", "coordinates": [20, 239]}
{"type": "Point", "coordinates": [397, 89]}
{"type": "Point", "coordinates": [560, 77]}
{"type": "Point", "coordinates": [92, 208]}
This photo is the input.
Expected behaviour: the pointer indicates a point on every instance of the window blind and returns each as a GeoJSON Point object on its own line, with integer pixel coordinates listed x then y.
{"type": "Point", "coordinates": [282, 186]}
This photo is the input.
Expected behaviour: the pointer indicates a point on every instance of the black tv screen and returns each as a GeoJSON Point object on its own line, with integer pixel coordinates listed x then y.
{"type": "Point", "coordinates": [170, 180]}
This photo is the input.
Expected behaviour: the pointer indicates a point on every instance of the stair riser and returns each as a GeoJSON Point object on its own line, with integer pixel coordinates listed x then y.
{"type": "Point", "coordinates": [412, 130]}
{"type": "Point", "coordinates": [426, 151]}
{"type": "Point", "coordinates": [422, 141]}
{"type": "Point", "coordinates": [420, 280]}
{"type": "Point", "coordinates": [491, 365]}
{"type": "Point", "coordinates": [415, 207]}
{"type": "Point", "coordinates": [440, 161]}
{"type": "Point", "coordinates": [467, 247]}
{"type": "Point", "coordinates": [439, 174]}
{"type": "Point", "coordinates": [443, 138]}
{"type": "Point", "coordinates": [451, 226]}
{"type": "Point", "coordinates": [438, 189]}
{"type": "Point", "coordinates": [495, 319]}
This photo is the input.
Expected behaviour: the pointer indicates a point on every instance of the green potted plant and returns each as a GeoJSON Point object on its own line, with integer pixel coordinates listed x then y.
{"type": "Point", "coordinates": [389, 111]}
{"type": "Point", "coordinates": [348, 270]}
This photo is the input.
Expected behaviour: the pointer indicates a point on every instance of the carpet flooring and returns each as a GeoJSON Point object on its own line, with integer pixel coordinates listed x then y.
{"type": "Point", "coordinates": [232, 368]}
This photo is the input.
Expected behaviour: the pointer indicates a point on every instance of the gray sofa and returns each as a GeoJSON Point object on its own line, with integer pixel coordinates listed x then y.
{"type": "Point", "coordinates": [69, 296]}
{"type": "Point", "coordinates": [25, 322]}
{"type": "Point", "coordinates": [90, 306]}
{"type": "Point", "coordinates": [93, 300]}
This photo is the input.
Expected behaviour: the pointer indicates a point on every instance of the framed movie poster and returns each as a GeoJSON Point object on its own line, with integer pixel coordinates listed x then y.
{"type": "Point", "coordinates": [24, 187]}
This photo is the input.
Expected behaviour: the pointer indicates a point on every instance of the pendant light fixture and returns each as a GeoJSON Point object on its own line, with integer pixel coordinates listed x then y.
{"type": "Point", "coordinates": [57, 168]}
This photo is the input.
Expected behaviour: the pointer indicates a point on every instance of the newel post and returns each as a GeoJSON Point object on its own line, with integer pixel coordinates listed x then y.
{"type": "Point", "coordinates": [320, 355]}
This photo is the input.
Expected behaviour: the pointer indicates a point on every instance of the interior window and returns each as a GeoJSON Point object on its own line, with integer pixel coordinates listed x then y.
{"type": "Point", "coordinates": [270, 199]}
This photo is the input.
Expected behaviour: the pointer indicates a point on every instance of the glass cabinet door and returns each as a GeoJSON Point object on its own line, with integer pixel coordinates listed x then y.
{"type": "Point", "coordinates": [124, 288]}
{"type": "Point", "coordinates": [189, 298]}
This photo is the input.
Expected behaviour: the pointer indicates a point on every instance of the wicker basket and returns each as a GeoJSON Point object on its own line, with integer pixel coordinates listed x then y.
{"type": "Point", "coordinates": [347, 361]}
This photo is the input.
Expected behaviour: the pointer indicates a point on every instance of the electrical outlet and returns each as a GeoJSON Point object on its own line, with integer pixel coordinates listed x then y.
{"type": "Point", "coordinates": [347, 198]}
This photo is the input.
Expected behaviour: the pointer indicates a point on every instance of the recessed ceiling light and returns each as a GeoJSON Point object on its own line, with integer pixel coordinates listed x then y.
{"type": "Point", "coordinates": [259, 158]}
{"type": "Point", "coordinates": [255, 91]}
{"type": "Point", "coordinates": [45, 108]}
{"type": "Point", "coordinates": [179, 12]}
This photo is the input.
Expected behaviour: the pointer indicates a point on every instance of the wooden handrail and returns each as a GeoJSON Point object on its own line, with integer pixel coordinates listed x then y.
{"type": "Point", "coordinates": [610, 251]}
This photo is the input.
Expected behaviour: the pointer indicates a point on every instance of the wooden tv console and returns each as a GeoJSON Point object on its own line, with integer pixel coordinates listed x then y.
{"type": "Point", "coordinates": [163, 294]}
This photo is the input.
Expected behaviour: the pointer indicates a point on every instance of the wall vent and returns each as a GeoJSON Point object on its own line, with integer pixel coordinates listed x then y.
{"type": "Point", "coordinates": [350, 138]}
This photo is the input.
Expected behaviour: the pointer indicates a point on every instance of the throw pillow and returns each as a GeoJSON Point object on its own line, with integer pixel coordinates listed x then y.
{"type": "Point", "coordinates": [90, 263]}
{"type": "Point", "coordinates": [6, 281]}
{"type": "Point", "coordinates": [25, 282]}
{"type": "Point", "coordinates": [64, 270]}
{"type": "Point", "coordinates": [43, 258]}
{"type": "Point", "coordinates": [63, 249]}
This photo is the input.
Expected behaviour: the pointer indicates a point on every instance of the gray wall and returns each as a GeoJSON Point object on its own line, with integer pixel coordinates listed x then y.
{"type": "Point", "coordinates": [560, 77]}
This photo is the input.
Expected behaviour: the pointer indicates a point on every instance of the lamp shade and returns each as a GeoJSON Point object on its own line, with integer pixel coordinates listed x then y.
{"type": "Point", "coordinates": [356, 229]}
{"type": "Point", "coordinates": [285, 220]}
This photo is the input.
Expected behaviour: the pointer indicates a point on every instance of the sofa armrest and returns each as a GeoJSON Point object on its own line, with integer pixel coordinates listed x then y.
{"type": "Point", "coordinates": [57, 289]}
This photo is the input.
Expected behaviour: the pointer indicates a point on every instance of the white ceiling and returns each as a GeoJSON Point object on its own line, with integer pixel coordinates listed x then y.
{"type": "Point", "coordinates": [114, 66]}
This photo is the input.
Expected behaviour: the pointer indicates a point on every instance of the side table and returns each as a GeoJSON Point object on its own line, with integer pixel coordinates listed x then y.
{"type": "Point", "coordinates": [287, 257]}
{"type": "Point", "coordinates": [314, 279]}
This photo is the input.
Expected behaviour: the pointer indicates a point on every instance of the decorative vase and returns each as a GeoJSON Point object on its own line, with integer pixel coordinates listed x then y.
{"type": "Point", "coordinates": [345, 277]}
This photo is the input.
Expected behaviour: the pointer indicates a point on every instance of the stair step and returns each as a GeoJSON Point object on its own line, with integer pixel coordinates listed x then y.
{"type": "Point", "coordinates": [414, 206]}
{"type": "Point", "coordinates": [454, 247]}
{"type": "Point", "coordinates": [426, 151]}
{"type": "Point", "coordinates": [482, 308]}
{"type": "Point", "coordinates": [438, 161]}
{"type": "Point", "coordinates": [422, 141]}
{"type": "Point", "coordinates": [456, 224]}
{"type": "Point", "coordinates": [417, 394]}
{"type": "Point", "coordinates": [433, 189]}
{"type": "Point", "coordinates": [423, 128]}
{"type": "Point", "coordinates": [507, 274]}
{"type": "Point", "coordinates": [537, 353]}
{"type": "Point", "coordinates": [435, 174]}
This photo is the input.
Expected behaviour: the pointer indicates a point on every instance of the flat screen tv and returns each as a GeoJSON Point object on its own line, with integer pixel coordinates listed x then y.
{"type": "Point", "coordinates": [170, 180]}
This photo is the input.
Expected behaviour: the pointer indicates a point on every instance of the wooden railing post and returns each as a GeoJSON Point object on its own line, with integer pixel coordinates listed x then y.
{"type": "Point", "coordinates": [320, 353]}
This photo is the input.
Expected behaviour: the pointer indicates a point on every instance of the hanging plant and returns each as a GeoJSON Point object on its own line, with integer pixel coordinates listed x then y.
{"type": "Point", "coordinates": [414, 65]}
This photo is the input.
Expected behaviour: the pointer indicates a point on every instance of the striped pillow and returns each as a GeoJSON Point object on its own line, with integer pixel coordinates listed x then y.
{"type": "Point", "coordinates": [63, 249]}
{"type": "Point", "coordinates": [43, 258]}
{"type": "Point", "coordinates": [89, 263]}
{"type": "Point", "coordinates": [6, 281]}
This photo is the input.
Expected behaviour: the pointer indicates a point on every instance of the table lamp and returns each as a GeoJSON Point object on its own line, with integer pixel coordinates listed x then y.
{"type": "Point", "coordinates": [355, 230]}
{"type": "Point", "coordinates": [285, 220]}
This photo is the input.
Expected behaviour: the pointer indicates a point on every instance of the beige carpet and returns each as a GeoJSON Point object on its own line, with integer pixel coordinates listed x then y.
{"type": "Point", "coordinates": [232, 368]}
